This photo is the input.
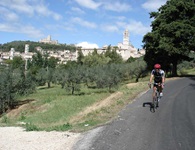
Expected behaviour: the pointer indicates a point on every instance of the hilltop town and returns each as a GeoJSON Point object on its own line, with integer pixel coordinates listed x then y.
{"type": "Point", "coordinates": [125, 49]}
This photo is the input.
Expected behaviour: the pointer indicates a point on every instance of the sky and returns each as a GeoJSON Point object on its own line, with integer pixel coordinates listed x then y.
{"type": "Point", "coordinates": [87, 23]}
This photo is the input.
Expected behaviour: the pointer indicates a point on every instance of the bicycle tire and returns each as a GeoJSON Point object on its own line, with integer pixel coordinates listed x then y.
{"type": "Point", "coordinates": [154, 104]}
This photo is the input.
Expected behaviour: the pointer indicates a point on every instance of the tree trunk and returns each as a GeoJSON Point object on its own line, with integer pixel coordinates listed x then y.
{"type": "Point", "coordinates": [48, 85]}
{"type": "Point", "coordinates": [174, 69]}
{"type": "Point", "coordinates": [73, 90]}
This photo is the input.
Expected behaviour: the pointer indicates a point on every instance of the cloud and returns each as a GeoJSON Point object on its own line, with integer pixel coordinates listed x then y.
{"type": "Point", "coordinates": [7, 15]}
{"type": "Point", "coordinates": [117, 6]}
{"type": "Point", "coordinates": [88, 4]}
{"type": "Point", "coordinates": [44, 11]}
{"type": "Point", "coordinates": [109, 28]}
{"type": "Point", "coordinates": [84, 23]}
{"type": "Point", "coordinates": [153, 5]}
{"type": "Point", "coordinates": [19, 6]}
{"type": "Point", "coordinates": [30, 31]}
{"type": "Point", "coordinates": [87, 45]}
{"type": "Point", "coordinates": [108, 5]}
{"type": "Point", "coordinates": [29, 8]}
{"type": "Point", "coordinates": [134, 27]}
{"type": "Point", "coordinates": [77, 10]}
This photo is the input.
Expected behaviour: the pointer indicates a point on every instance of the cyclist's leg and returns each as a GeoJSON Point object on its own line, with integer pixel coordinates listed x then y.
{"type": "Point", "coordinates": [154, 94]}
{"type": "Point", "coordinates": [154, 89]}
{"type": "Point", "coordinates": [160, 90]}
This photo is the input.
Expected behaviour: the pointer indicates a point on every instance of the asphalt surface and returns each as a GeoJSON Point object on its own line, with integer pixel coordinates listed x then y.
{"type": "Point", "coordinates": [170, 127]}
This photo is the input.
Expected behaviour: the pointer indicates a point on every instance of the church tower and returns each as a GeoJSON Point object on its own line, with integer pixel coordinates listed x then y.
{"type": "Point", "coordinates": [126, 38]}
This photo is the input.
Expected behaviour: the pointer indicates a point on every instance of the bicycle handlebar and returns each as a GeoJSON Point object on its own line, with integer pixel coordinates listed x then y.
{"type": "Point", "coordinates": [159, 84]}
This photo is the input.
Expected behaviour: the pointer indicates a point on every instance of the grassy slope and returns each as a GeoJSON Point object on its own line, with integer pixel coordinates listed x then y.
{"type": "Point", "coordinates": [54, 109]}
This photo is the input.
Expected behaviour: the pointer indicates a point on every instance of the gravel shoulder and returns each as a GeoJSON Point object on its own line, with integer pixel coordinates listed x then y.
{"type": "Point", "coordinates": [16, 138]}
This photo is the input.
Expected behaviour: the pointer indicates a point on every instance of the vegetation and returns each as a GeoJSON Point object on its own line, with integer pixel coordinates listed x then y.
{"type": "Point", "coordinates": [172, 36]}
{"type": "Point", "coordinates": [20, 46]}
{"type": "Point", "coordinates": [61, 92]}
{"type": "Point", "coordinates": [55, 109]}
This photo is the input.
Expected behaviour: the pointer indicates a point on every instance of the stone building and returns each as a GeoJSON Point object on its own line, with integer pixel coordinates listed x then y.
{"type": "Point", "coordinates": [48, 40]}
{"type": "Point", "coordinates": [125, 49]}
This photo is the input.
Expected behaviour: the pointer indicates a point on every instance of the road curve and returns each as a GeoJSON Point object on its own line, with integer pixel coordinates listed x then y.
{"type": "Point", "coordinates": [171, 127]}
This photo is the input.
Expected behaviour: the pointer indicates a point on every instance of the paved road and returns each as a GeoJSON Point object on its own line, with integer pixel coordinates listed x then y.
{"type": "Point", "coordinates": [171, 127]}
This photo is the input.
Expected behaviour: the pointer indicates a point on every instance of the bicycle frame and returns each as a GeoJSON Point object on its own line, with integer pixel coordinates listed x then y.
{"type": "Point", "coordinates": [156, 97]}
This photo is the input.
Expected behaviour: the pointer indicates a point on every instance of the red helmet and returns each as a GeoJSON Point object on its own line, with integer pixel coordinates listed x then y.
{"type": "Point", "coordinates": [157, 66]}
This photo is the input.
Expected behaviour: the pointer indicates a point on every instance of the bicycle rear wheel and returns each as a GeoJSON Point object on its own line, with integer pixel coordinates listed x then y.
{"type": "Point", "coordinates": [154, 104]}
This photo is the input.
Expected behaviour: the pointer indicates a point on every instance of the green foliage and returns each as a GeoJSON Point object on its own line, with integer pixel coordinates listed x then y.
{"type": "Point", "coordinates": [25, 83]}
{"type": "Point", "coordinates": [17, 62]}
{"type": "Point", "coordinates": [7, 89]}
{"type": "Point", "coordinates": [20, 46]}
{"type": "Point", "coordinates": [37, 61]}
{"type": "Point", "coordinates": [138, 68]}
{"type": "Point", "coordinates": [187, 64]}
{"type": "Point", "coordinates": [130, 59]}
{"type": "Point", "coordinates": [63, 127]}
{"type": "Point", "coordinates": [22, 116]}
{"type": "Point", "coordinates": [52, 62]}
{"type": "Point", "coordinates": [5, 119]}
{"type": "Point", "coordinates": [12, 83]}
{"type": "Point", "coordinates": [31, 127]}
{"type": "Point", "coordinates": [108, 76]}
{"type": "Point", "coordinates": [80, 57]}
{"type": "Point", "coordinates": [113, 55]}
{"type": "Point", "coordinates": [95, 59]}
{"type": "Point", "coordinates": [172, 35]}
{"type": "Point", "coordinates": [69, 64]}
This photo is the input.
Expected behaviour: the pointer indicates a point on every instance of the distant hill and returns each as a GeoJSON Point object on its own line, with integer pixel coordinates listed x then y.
{"type": "Point", "coordinates": [19, 46]}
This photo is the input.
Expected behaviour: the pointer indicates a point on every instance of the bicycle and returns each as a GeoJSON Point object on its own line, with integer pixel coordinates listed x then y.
{"type": "Point", "coordinates": [156, 98]}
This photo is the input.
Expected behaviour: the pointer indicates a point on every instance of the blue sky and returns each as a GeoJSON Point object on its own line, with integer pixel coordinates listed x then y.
{"type": "Point", "coordinates": [90, 23]}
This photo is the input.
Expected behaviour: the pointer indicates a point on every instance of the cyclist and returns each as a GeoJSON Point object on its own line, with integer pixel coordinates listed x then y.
{"type": "Point", "coordinates": [159, 78]}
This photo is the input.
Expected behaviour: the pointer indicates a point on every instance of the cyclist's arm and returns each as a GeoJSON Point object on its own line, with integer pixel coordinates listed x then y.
{"type": "Point", "coordinates": [163, 78]}
{"type": "Point", "coordinates": [151, 77]}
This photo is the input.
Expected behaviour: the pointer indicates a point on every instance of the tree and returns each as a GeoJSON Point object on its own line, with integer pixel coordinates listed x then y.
{"type": "Point", "coordinates": [52, 62]}
{"type": "Point", "coordinates": [172, 36]}
{"type": "Point", "coordinates": [107, 76]}
{"type": "Point", "coordinates": [80, 57]}
{"type": "Point", "coordinates": [113, 55]}
{"type": "Point", "coordinates": [12, 83]}
{"type": "Point", "coordinates": [138, 68]}
{"type": "Point", "coordinates": [37, 61]}
{"type": "Point", "coordinates": [73, 80]}
{"type": "Point", "coordinates": [95, 59]}
{"type": "Point", "coordinates": [130, 60]}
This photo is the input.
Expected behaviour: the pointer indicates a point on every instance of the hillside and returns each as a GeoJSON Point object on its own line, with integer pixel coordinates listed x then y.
{"type": "Point", "coordinates": [20, 46]}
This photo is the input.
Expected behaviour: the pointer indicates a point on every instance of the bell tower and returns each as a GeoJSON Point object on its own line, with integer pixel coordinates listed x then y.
{"type": "Point", "coordinates": [126, 38]}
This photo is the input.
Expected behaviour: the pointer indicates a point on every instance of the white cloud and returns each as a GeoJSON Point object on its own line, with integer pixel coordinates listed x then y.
{"type": "Point", "coordinates": [7, 15]}
{"type": "Point", "coordinates": [109, 28]}
{"type": "Point", "coordinates": [88, 4]}
{"type": "Point", "coordinates": [42, 10]}
{"type": "Point", "coordinates": [87, 45]}
{"type": "Point", "coordinates": [117, 6]}
{"type": "Point", "coordinates": [18, 5]}
{"type": "Point", "coordinates": [153, 5]}
{"type": "Point", "coordinates": [77, 10]}
{"type": "Point", "coordinates": [17, 28]}
{"type": "Point", "coordinates": [138, 28]}
{"type": "Point", "coordinates": [83, 22]}
{"type": "Point", "coordinates": [29, 8]}
{"type": "Point", "coordinates": [31, 31]}
{"type": "Point", "coordinates": [135, 27]}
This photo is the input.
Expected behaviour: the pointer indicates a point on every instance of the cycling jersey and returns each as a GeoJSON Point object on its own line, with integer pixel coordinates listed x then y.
{"type": "Point", "coordinates": [158, 75]}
